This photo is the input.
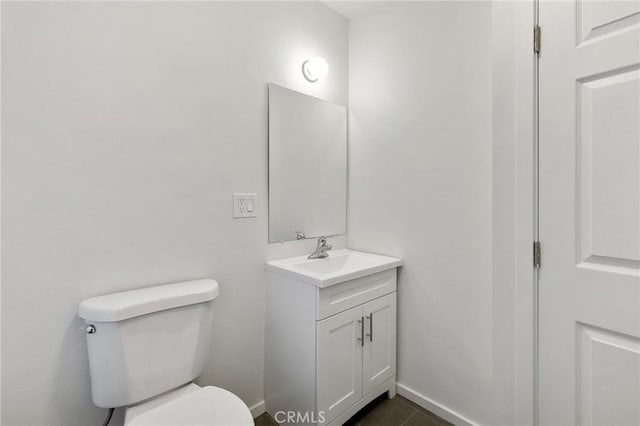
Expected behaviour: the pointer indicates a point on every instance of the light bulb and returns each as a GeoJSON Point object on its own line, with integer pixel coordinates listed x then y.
{"type": "Point", "coordinates": [314, 69]}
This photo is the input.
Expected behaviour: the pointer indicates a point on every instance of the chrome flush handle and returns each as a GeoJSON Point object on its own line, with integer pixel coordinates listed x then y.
{"type": "Point", "coordinates": [88, 329]}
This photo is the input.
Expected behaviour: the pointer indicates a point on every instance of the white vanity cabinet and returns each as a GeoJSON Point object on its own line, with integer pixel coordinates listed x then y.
{"type": "Point", "coordinates": [329, 350]}
{"type": "Point", "coordinates": [353, 358]}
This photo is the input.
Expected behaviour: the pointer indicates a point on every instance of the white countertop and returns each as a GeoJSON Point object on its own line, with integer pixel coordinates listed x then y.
{"type": "Point", "coordinates": [341, 265]}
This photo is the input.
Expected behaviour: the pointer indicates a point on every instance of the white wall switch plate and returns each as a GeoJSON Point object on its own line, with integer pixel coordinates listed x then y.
{"type": "Point", "coordinates": [244, 205]}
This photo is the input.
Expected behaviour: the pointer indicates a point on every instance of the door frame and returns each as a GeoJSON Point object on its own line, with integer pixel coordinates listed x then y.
{"type": "Point", "coordinates": [514, 209]}
{"type": "Point", "coordinates": [526, 211]}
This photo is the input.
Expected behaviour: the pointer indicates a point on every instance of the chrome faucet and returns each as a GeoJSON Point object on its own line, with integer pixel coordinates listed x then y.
{"type": "Point", "coordinates": [321, 249]}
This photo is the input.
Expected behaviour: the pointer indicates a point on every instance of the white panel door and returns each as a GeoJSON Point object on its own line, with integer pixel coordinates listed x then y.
{"type": "Point", "coordinates": [589, 285]}
{"type": "Point", "coordinates": [339, 362]}
{"type": "Point", "coordinates": [379, 356]}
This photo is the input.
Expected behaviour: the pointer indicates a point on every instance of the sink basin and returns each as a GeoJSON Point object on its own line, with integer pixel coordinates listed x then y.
{"type": "Point", "coordinates": [341, 265]}
{"type": "Point", "coordinates": [329, 265]}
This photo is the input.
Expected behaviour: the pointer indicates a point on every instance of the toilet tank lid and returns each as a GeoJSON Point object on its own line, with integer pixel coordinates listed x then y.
{"type": "Point", "coordinates": [133, 303]}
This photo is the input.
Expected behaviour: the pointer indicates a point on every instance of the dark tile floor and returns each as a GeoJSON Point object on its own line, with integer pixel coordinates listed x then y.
{"type": "Point", "coordinates": [398, 411]}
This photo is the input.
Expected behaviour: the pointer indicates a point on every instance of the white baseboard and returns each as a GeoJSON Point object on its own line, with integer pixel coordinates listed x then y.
{"type": "Point", "coordinates": [257, 409]}
{"type": "Point", "coordinates": [436, 408]}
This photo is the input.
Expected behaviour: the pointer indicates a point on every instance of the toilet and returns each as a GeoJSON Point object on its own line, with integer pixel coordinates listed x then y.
{"type": "Point", "coordinates": [146, 347]}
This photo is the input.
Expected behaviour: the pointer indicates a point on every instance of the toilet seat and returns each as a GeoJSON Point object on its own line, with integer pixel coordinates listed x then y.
{"type": "Point", "coordinates": [195, 406]}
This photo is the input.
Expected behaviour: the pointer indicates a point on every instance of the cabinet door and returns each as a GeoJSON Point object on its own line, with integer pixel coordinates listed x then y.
{"type": "Point", "coordinates": [379, 357]}
{"type": "Point", "coordinates": [339, 363]}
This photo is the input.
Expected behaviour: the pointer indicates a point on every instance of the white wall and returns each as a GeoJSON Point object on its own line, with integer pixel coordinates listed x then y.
{"type": "Point", "coordinates": [420, 92]}
{"type": "Point", "coordinates": [126, 129]}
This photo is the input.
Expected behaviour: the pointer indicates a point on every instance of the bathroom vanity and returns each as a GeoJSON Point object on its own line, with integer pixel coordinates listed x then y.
{"type": "Point", "coordinates": [330, 335]}
{"type": "Point", "coordinates": [331, 321]}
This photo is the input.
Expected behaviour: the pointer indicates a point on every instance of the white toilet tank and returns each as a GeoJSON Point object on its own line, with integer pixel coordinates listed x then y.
{"type": "Point", "coordinates": [148, 341]}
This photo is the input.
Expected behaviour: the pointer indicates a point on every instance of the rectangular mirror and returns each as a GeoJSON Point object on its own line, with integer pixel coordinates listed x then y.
{"type": "Point", "coordinates": [307, 166]}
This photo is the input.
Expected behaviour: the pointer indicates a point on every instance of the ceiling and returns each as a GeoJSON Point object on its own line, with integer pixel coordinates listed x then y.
{"type": "Point", "coordinates": [354, 8]}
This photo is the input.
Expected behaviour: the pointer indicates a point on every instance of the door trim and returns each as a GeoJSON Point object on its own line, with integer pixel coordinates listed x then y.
{"type": "Point", "coordinates": [514, 207]}
{"type": "Point", "coordinates": [526, 297]}
{"type": "Point", "coordinates": [536, 211]}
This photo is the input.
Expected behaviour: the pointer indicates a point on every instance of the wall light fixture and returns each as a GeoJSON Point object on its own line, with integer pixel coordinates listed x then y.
{"type": "Point", "coordinates": [314, 69]}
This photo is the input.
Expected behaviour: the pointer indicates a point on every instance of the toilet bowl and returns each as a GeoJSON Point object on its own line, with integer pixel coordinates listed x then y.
{"type": "Point", "coordinates": [191, 405]}
{"type": "Point", "coordinates": [147, 346]}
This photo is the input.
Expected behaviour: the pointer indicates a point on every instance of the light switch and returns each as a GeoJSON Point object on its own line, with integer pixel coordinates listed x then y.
{"type": "Point", "coordinates": [244, 205]}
